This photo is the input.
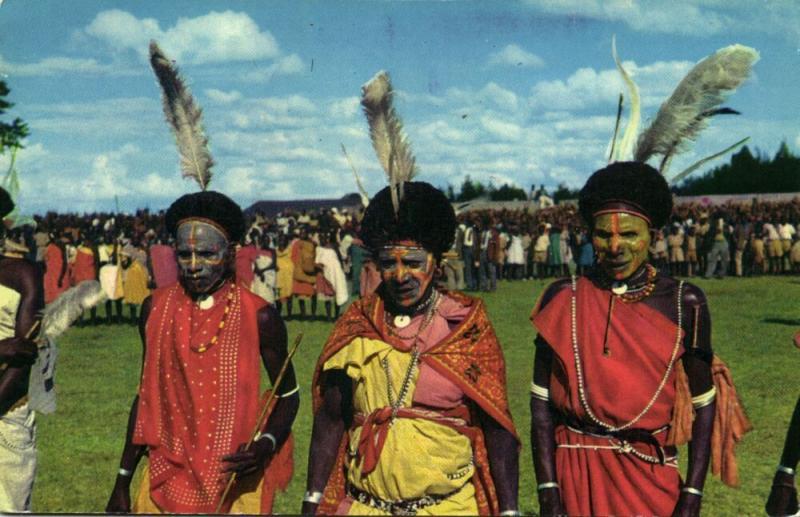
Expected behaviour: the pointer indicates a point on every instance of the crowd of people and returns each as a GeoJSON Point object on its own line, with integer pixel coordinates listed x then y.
{"type": "Point", "coordinates": [300, 258]}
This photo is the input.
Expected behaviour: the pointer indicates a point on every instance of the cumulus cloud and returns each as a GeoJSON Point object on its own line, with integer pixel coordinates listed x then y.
{"type": "Point", "coordinates": [587, 87]}
{"type": "Point", "coordinates": [514, 55]}
{"type": "Point", "coordinates": [223, 97]}
{"type": "Point", "coordinates": [211, 38]}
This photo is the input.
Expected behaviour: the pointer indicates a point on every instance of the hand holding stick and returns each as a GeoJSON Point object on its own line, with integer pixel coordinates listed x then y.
{"type": "Point", "coordinates": [263, 416]}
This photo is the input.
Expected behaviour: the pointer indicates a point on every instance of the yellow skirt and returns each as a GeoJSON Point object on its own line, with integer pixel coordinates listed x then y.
{"type": "Point", "coordinates": [244, 503]}
{"type": "Point", "coordinates": [462, 502]}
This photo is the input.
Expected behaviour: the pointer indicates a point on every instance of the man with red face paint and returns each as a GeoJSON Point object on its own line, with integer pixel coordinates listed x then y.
{"type": "Point", "coordinates": [205, 340]}
{"type": "Point", "coordinates": [623, 368]}
{"type": "Point", "coordinates": [410, 407]}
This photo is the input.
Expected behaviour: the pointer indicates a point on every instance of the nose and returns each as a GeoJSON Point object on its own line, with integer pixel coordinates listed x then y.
{"type": "Point", "coordinates": [614, 245]}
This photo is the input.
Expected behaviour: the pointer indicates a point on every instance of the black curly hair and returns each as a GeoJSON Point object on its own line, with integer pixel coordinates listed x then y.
{"type": "Point", "coordinates": [630, 183]}
{"type": "Point", "coordinates": [425, 216]}
{"type": "Point", "coordinates": [210, 205]}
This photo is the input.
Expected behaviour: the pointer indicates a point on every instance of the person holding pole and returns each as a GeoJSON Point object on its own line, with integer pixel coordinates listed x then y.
{"type": "Point", "coordinates": [205, 340]}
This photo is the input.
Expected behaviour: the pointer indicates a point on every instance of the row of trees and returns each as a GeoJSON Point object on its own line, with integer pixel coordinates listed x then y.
{"type": "Point", "coordinates": [747, 173]}
{"type": "Point", "coordinates": [471, 189]}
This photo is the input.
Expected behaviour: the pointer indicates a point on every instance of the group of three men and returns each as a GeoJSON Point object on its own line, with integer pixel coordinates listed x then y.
{"type": "Point", "coordinates": [409, 394]}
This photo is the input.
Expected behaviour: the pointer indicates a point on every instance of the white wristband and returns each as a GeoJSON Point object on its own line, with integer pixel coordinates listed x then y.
{"type": "Point", "coordinates": [312, 497]}
{"type": "Point", "coordinates": [269, 437]}
{"type": "Point", "coordinates": [124, 472]}
{"type": "Point", "coordinates": [786, 470]}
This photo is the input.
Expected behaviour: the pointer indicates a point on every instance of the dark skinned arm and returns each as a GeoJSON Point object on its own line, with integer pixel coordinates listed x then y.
{"type": "Point", "coordinates": [543, 442]}
{"type": "Point", "coordinates": [274, 351]}
{"type": "Point", "coordinates": [697, 364]}
{"type": "Point", "coordinates": [330, 422]}
{"type": "Point", "coordinates": [18, 353]}
{"type": "Point", "coordinates": [120, 500]}
{"type": "Point", "coordinates": [783, 494]}
{"type": "Point", "coordinates": [503, 450]}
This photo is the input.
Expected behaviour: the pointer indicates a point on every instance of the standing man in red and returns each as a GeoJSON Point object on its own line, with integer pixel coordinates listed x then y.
{"type": "Point", "coordinates": [205, 340]}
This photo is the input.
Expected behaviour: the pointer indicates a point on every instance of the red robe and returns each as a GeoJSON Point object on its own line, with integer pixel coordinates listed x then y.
{"type": "Point", "coordinates": [196, 407]}
{"type": "Point", "coordinates": [618, 387]}
{"type": "Point", "coordinates": [164, 265]}
{"type": "Point", "coordinates": [54, 260]}
{"type": "Point", "coordinates": [84, 268]}
{"type": "Point", "coordinates": [470, 357]}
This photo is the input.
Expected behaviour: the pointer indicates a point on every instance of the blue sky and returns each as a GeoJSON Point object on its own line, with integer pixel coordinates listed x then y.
{"type": "Point", "coordinates": [521, 92]}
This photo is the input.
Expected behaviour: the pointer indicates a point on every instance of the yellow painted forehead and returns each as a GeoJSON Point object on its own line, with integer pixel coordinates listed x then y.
{"type": "Point", "coordinates": [623, 220]}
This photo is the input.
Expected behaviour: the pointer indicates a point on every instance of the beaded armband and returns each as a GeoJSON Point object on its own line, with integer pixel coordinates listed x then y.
{"type": "Point", "coordinates": [539, 392]}
{"type": "Point", "coordinates": [704, 399]}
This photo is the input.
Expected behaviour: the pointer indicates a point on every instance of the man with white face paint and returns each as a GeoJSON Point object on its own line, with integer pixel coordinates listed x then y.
{"type": "Point", "coordinates": [198, 399]}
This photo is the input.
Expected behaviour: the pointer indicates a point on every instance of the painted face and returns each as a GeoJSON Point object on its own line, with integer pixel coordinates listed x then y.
{"type": "Point", "coordinates": [407, 272]}
{"type": "Point", "coordinates": [621, 242]}
{"type": "Point", "coordinates": [203, 257]}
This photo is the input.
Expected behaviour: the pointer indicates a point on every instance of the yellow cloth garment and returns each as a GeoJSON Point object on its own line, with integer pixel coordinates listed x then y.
{"type": "Point", "coordinates": [420, 457]}
{"type": "Point", "coordinates": [285, 273]}
{"type": "Point", "coordinates": [246, 499]}
{"type": "Point", "coordinates": [134, 283]}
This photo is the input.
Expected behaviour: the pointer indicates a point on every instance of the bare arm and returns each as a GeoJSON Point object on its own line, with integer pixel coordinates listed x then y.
{"type": "Point", "coordinates": [273, 345]}
{"type": "Point", "coordinates": [697, 364]}
{"type": "Point", "coordinates": [19, 352]}
{"type": "Point", "coordinates": [120, 500]}
{"type": "Point", "coordinates": [543, 442]}
{"type": "Point", "coordinates": [502, 448]}
{"type": "Point", "coordinates": [329, 426]}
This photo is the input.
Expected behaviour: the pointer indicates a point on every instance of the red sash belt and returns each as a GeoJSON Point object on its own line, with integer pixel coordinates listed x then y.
{"type": "Point", "coordinates": [375, 429]}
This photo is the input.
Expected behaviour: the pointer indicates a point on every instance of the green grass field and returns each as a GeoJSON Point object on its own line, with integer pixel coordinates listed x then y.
{"type": "Point", "coordinates": [753, 324]}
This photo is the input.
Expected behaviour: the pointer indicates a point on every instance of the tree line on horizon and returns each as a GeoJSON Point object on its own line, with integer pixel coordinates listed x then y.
{"type": "Point", "coordinates": [746, 173]}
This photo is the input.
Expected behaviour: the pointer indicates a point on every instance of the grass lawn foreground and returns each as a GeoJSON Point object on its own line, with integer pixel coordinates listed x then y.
{"type": "Point", "coordinates": [97, 376]}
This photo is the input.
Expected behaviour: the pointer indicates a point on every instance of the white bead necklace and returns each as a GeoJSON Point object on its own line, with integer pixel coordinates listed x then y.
{"type": "Point", "coordinates": [579, 368]}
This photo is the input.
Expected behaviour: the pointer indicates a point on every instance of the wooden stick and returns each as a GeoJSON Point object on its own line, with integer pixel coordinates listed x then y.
{"type": "Point", "coordinates": [263, 416]}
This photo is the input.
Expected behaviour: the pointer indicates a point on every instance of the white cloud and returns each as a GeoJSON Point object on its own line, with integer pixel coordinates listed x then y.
{"type": "Point", "coordinates": [54, 66]}
{"type": "Point", "coordinates": [501, 129]}
{"type": "Point", "coordinates": [211, 38]}
{"type": "Point", "coordinates": [490, 95]}
{"type": "Point", "coordinates": [347, 108]}
{"type": "Point", "coordinates": [514, 55]}
{"type": "Point", "coordinates": [223, 97]}
{"type": "Point", "coordinates": [588, 87]}
{"type": "Point", "coordinates": [685, 17]}
{"type": "Point", "coordinates": [676, 17]}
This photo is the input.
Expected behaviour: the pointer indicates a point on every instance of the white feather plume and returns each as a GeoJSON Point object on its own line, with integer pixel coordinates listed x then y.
{"type": "Point", "coordinates": [624, 151]}
{"type": "Point", "coordinates": [388, 139]}
{"type": "Point", "coordinates": [685, 114]}
{"type": "Point", "coordinates": [361, 190]}
{"type": "Point", "coordinates": [185, 119]}
{"type": "Point", "coordinates": [62, 312]}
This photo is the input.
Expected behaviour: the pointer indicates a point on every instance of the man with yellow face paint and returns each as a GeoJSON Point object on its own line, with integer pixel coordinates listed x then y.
{"type": "Point", "coordinates": [623, 359]}
{"type": "Point", "coordinates": [410, 405]}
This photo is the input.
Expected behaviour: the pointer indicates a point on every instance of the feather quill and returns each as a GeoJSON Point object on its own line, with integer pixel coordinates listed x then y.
{"type": "Point", "coordinates": [388, 139]}
{"type": "Point", "coordinates": [624, 151]}
{"type": "Point", "coordinates": [699, 163]}
{"type": "Point", "coordinates": [613, 143]}
{"type": "Point", "coordinates": [62, 312]}
{"type": "Point", "coordinates": [685, 114]}
{"type": "Point", "coordinates": [361, 190]}
{"type": "Point", "coordinates": [184, 117]}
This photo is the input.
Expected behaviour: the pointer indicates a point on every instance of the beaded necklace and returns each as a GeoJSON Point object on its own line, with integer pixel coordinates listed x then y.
{"type": "Point", "coordinates": [641, 293]}
{"type": "Point", "coordinates": [205, 346]}
{"type": "Point", "coordinates": [579, 369]}
{"type": "Point", "coordinates": [395, 404]}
